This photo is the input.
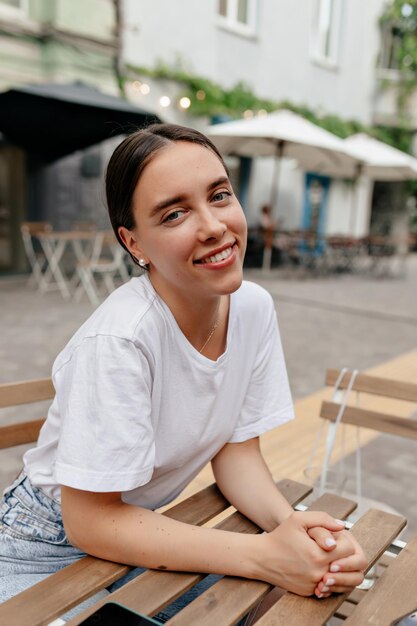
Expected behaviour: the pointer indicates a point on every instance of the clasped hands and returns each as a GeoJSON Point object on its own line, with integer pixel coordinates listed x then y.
{"type": "Point", "coordinates": [314, 555]}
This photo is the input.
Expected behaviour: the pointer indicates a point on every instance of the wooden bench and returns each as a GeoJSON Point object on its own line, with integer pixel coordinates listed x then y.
{"type": "Point", "coordinates": [15, 394]}
{"type": "Point", "coordinates": [230, 598]}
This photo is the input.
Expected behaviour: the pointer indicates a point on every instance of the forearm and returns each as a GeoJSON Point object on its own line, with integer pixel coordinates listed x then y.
{"type": "Point", "coordinates": [135, 536]}
{"type": "Point", "coordinates": [244, 478]}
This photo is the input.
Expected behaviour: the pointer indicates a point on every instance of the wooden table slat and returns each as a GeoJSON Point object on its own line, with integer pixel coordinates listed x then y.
{"type": "Point", "coordinates": [394, 594]}
{"type": "Point", "coordinates": [375, 531]}
{"type": "Point", "coordinates": [231, 598]}
{"type": "Point", "coordinates": [55, 595]}
{"type": "Point", "coordinates": [155, 589]}
{"type": "Point", "coordinates": [63, 590]}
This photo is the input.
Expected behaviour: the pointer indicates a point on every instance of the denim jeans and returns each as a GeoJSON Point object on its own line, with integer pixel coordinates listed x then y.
{"type": "Point", "coordinates": [33, 545]}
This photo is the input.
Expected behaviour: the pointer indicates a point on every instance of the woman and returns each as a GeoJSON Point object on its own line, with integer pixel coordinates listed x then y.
{"type": "Point", "coordinates": [178, 367]}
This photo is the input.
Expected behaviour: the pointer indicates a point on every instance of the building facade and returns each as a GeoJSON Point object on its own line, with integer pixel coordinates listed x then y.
{"type": "Point", "coordinates": [331, 56]}
{"type": "Point", "coordinates": [52, 41]}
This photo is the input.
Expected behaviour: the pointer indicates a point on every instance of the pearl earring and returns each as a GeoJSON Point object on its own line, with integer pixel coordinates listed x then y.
{"type": "Point", "coordinates": [142, 262]}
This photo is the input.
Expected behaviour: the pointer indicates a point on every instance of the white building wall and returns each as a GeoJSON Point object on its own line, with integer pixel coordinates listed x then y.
{"type": "Point", "coordinates": [277, 62]}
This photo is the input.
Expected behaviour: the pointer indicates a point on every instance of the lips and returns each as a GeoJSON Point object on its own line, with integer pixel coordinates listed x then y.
{"type": "Point", "coordinates": [217, 256]}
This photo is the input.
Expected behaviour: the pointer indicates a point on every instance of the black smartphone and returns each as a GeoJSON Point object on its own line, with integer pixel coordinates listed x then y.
{"type": "Point", "coordinates": [407, 620]}
{"type": "Point", "coordinates": [114, 614]}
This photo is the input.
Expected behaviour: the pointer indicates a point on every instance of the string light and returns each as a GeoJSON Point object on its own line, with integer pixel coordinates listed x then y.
{"type": "Point", "coordinates": [145, 89]}
{"type": "Point", "coordinates": [200, 94]}
{"type": "Point", "coordinates": [164, 101]}
{"type": "Point", "coordinates": [136, 85]}
{"type": "Point", "coordinates": [262, 112]}
{"type": "Point", "coordinates": [248, 114]}
{"type": "Point", "coordinates": [185, 102]}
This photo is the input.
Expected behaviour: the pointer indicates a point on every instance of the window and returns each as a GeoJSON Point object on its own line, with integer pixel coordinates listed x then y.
{"type": "Point", "coordinates": [238, 15]}
{"type": "Point", "coordinates": [326, 31]}
{"type": "Point", "coordinates": [392, 39]}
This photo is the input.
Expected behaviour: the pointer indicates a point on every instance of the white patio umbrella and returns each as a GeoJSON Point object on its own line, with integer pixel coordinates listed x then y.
{"type": "Point", "coordinates": [378, 161]}
{"type": "Point", "coordinates": [285, 134]}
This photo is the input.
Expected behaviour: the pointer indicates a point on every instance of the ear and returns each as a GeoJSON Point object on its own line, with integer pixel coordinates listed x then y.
{"type": "Point", "coordinates": [130, 241]}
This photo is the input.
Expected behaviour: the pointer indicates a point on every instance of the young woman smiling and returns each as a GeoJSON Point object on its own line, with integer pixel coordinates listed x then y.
{"type": "Point", "coordinates": [180, 366]}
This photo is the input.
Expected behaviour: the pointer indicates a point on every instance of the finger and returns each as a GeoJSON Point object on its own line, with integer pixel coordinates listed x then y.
{"type": "Point", "coordinates": [333, 582]}
{"type": "Point", "coordinates": [341, 590]}
{"type": "Point", "coordinates": [356, 562]}
{"type": "Point", "coordinates": [321, 591]}
{"type": "Point", "coordinates": [324, 538]}
{"type": "Point", "coordinates": [311, 519]}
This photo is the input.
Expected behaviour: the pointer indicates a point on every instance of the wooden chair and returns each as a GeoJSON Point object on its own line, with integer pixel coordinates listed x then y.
{"type": "Point", "coordinates": [385, 406]}
{"type": "Point", "coordinates": [373, 419]}
{"type": "Point", "coordinates": [35, 256]}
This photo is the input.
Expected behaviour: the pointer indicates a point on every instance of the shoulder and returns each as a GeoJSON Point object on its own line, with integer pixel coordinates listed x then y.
{"type": "Point", "coordinates": [118, 321]}
{"type": "Point", "coordinates": [252, 297]}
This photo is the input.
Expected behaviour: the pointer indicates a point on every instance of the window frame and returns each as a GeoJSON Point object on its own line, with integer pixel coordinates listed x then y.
{"type": "Point", "coordinates": [230, 21]}
{"type": "Point", "coordinates": [330, 59]}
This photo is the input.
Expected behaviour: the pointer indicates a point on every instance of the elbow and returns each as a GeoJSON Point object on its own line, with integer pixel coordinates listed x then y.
{"type": "Point", "coordinates": [75, 536]}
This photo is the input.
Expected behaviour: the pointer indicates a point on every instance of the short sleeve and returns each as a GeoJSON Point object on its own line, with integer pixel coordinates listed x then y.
{"type": "Point", "coordinates": [268, 401]}
{"type": "Point", "coordinates": [106, 441]}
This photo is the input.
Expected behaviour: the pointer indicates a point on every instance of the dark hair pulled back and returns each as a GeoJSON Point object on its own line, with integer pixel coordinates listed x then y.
{"type": "Point", "coordinates": [130, 159]}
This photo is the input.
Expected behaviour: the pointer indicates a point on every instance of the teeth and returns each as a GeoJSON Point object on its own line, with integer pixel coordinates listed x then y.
{"type": "Point", "coordinates": [221, 256]}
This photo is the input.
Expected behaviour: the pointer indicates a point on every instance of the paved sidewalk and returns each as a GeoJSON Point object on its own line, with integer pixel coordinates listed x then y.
{"type": "Point", "coordinates": [357, 321]}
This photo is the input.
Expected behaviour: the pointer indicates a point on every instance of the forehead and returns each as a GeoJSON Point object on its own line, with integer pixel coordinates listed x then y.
{"type": "Point", "coordinates": [178, 168]}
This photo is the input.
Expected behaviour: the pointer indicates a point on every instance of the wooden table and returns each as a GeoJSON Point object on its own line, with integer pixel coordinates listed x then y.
{"type": "Point", "coordinates": [393, 594]}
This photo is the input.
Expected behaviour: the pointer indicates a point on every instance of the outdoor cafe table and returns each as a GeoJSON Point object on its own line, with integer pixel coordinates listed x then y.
{"type": "Point", "coordinates": [393, 594]}
{"type": "Point", "coordinates": [54, 244]}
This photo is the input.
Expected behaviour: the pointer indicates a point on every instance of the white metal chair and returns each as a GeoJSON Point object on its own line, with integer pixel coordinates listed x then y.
{"type": "Point", "coordinates": [36, 257]}
{"type": "Point", "coordinates": [107, 261]}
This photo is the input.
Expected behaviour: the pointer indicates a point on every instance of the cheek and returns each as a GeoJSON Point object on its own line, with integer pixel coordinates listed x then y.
{"type": "Point", "coordinates": [174, 246]}
{"type": "Point", "coordinates": [238, 221]}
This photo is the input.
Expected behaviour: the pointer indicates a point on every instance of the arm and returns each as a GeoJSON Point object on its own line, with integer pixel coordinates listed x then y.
{"type": "Point", "coordinates": [243, 477]}
{"type": "Point", "coordinates": [245, 480]}
{"type": "Point", "coordinates": [104, 526]}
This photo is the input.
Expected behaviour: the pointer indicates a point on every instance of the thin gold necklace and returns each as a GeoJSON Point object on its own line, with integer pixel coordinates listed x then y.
{"type": "Point", "coordinates": [212, 330]}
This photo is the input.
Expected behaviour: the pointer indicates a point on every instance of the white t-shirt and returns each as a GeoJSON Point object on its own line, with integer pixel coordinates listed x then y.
{"type": "Point", "coordinates": [139, 410]}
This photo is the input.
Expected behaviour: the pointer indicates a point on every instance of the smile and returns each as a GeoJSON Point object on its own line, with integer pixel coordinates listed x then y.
{"type": "Point", "coordinates": [215, 258]}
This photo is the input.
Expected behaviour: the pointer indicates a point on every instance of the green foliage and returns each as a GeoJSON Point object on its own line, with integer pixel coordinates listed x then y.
{"type": "Point", "coordinates": [401, 17]}
{"type": "Point", "coordinates": [235, 101]}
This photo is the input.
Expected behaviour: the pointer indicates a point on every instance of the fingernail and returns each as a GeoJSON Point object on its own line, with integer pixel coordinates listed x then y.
{"type": "Point", "coordinates": [330, 542]}
{"type": "Point", "coordinates": [339, 521]}
{"type": "Point", "coordinates": [334, 568]}
{"type": "Point", "coordinates": [330, 581]}
{"type": "Point", "coordinates": [324, 588]}
{"type": "Point", "coordinates": [319, 595]}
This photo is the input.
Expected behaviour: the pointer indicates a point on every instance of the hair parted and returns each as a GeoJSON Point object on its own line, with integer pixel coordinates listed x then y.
{"type": "Point", "coordinates": [130, 159]}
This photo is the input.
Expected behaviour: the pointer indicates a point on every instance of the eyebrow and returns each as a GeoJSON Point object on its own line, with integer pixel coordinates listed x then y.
{"type": "Point", "coordinates": [177, 199]}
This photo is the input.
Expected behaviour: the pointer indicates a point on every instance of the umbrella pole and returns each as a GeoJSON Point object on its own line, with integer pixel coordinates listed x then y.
{"type": "Point", "coordinates": [354, 200]}
{"type": "Point", "coordinates": [269, 236]}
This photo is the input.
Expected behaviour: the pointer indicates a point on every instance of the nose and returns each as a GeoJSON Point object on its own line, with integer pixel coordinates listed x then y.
{"type": "Point", "coordinates": [211, 224]}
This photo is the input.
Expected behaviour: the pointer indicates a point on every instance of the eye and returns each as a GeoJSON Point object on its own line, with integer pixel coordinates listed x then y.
{"type": "Point", "coordinates": [220, 196]}
{"type": "Point", "coordinates": [174, 215]}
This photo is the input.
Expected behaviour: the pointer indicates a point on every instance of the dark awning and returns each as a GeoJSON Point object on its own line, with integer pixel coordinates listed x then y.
{"type": "Point", "coordinates": [52, 120]}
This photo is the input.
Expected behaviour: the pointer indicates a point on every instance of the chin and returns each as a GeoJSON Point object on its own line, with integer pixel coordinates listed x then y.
{"type": "Point", "coordinates": [233, 283]}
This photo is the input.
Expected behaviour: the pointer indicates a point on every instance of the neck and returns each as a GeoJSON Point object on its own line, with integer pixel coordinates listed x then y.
{"type": "Point", "coordinates": [196, 317]}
